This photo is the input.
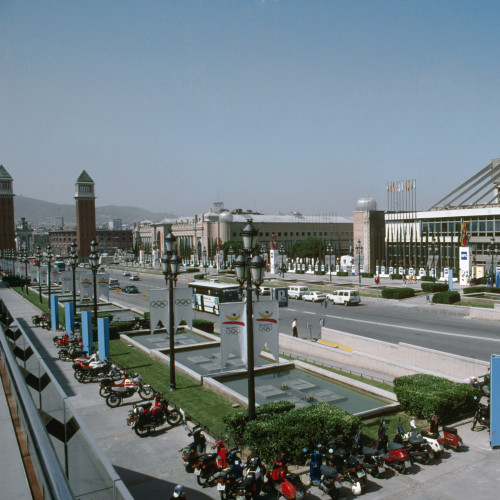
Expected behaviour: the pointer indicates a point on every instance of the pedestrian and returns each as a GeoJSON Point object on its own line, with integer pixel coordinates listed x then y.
{"type": "Point", "coordinates": [295, 332]}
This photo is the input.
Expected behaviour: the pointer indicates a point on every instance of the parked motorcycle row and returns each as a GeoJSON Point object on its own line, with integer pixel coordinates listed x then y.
{"type": "Point", "coordinates": [330, 468]}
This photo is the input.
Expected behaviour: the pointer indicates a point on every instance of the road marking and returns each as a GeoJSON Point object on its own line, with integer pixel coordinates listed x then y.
{"type": "Point", "coordinates": [308, 312]}
{"type": "Point", "coordinates": [415, 329]}
{"type": "Point", "coordinates": [331, 344]}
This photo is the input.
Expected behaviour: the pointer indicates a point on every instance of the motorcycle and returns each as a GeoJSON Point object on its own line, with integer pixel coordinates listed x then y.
{"type": "Point", "coordinates": [394, 455]}
{"type": "Point", "coordinates": [418, 449]}
{"type": "Point", "coordinates": [146, 417]}
{"type": "Point", "coordinates": [95, 371]}
{"type": "Point", "coordinates": [482, 415]}
{"type": "Point", "coordinates": [450, 438]}
{"type": "Point", "coordinates": [326, 478]}
{"type": "Point", "coordinates": [40, 319]}
{"type": "Point", "coordinates": [198, 447]}
{"type": "Point", "coordinates": [126, 389]}
{"type": "Point", "coordinates": [209, 466]}
{"type": "Point", "coordinates": [370, 458]}
{"type": "Point", "coordinates": [436, 446]}
{"type": "Point", "coordinates": [281, 479]}
{"type": "Point", "coordinates": [71, 353]}
{"type": "Point", "coordinates": [349, 466]}
{"type": "Point", "coordinates": [107, 383]}
{"type": "Point", "coordinates": [253, 479]}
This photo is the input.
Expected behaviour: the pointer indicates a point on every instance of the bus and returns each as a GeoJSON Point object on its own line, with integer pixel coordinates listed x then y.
{"type": "Point", "coordinates": [209, 294]}
{"type": "Point", "coordinates": [59, 265]}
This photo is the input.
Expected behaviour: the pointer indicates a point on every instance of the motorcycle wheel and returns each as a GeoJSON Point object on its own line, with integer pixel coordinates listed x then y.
{"type": "Point", "coordinates": [113, 400]}
{"type": "Point", "coordinates": [78, 375]}
{"type": "Point", "coordinates": [62, 356]}
{"type": "Point", "coordinates": [204, 478]}
{"type": "Point", "coordinates": [146, 393]}
{"type": "Point", "coordinates": [104, 391]}
{"type": "Point", "coordinates": [374, 472]}
{"type": "Point", "coordinates": [142, 431]}
{"type": "Point", "coordinates": [223, 495]}
{"type": "Point", "coordinates": [334, 493]}
{"type": "Point", "coordinates": [474, 422]}
{"type": "Point", "coordinates": [174, 417]}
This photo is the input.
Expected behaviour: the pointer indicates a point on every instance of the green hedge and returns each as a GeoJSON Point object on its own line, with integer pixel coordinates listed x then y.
{"type": "Point", "coordinates": [396, 276]}
{"type": "Point", "coordinates": [319, 273]}
{"type": "Point", "coordinates": [481, 289]}
{"type": "Point", "coordinates": [398, 293]}
{"type": "Point", "coordinates": [236, 422]}
{"type": "Point", "coordinates": [434, 287]}
{"type": "Point", "coordinates": [116, 327]}
{"type": "Point", "coordinates": [199, 276]}
{"type": "Point", "coordinates": [448, 297]}
{"type": "Point", "coordinates": [367, 275]}
{"type": "Point", "coordinates": [204, 325]}
{"type": "Point", "coordinates": [342, 273]}
{"type": "Point", "coordinates": [423, 396]}
{"type": "Point", "coordinates": [426, 278]}
{"type": "Point", "coordinates": [297, 429]}
{"type": "Point", "coordinates": [192, 270]}
{"type": "Point", "coordinates": [299, 271]}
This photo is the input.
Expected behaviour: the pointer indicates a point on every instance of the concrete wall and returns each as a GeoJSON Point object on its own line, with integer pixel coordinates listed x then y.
{"type": "Point", "coordinates": [403, 359]}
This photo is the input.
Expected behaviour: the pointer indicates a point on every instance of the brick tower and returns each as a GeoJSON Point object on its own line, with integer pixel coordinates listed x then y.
{"type": "Point", "coordinates": [7, 225]}
{"type": "Point", "coordinates": [85, 213]}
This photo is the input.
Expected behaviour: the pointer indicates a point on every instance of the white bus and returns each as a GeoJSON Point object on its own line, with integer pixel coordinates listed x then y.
{"type": "Point", "coordinates": [209, 294]}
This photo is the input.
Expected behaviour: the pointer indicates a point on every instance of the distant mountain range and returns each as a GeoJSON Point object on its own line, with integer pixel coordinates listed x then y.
{"type": "Point", "coordinates": [40, 213]}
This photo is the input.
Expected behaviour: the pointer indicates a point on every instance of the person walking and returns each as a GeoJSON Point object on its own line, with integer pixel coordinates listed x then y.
{"type": "Point", "coordinates": [295, 332]}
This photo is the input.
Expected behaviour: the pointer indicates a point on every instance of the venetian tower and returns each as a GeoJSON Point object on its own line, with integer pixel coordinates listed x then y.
{"type": "Point", "coordinates": [85, 213]}
{"type": "Point", "coordinates": [7, 225]}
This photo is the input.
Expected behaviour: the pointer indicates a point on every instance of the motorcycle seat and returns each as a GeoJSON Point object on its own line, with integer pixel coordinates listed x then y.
{"type": "Point", "coordinates": [432, 435]}
{"type": "Point", "coordinates": [451, 430]}
{"type": "Point", "coordinates": [416, 440]}
{"type": "Point", "coordinates": [368, 452]}
{"type": "Point", "coordinates": [328, 471]}
{"type": "Point", "coordinates": [208, 457]}
{"type": "Point", "coordinates": [391, 446]}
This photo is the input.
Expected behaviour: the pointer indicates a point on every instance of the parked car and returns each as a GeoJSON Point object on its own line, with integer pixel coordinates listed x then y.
{"type": "Point", "coordinates": [134, 277]}
{"type": "Point", "coordinates": [265, 290]}
{"type": "Point", "coordinates": [130, 289]}
{"type": "Point", "coordinates": [113, 283]}
{"type": "Point", "coordinates": [126, 273]}
{"type": "Point", "coordinates": [344, 297]}
{"type": "Point", "coordinates": [314, 296]}
{"type": "Point", "coordinates": [297, 292]}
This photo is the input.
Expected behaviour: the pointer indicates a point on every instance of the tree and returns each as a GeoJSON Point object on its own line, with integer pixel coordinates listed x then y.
{"type": "Point", "coordinates": [312, 248]}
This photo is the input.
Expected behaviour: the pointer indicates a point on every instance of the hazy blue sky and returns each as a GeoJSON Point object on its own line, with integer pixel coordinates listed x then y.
{"type": "Point", "coordinates": [268, 105]}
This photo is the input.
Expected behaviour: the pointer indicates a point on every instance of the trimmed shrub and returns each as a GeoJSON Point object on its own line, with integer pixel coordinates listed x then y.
{"type": "Point", "coordinates": [192, 270]}
{"type": "Point", "coordinates": [398, 293]}
{"type": "Point", "coordinates": [299, 271]}
{"type": "Point", "coordinates": [396, 276]}
{"type": "Point", "coordinates": [434, 287]}
{"type": "Point", "coordinates": [423, 396]}
{"type": "Point", "coordinates": [236, 422]}
{"type": "Point", "coordinates": [297, 429]}
{"type": "Point", "coordinates": [199, 276]}
{"type": "Point", "coordinates": [116, 327]}
{"type": "Point", "coordinates": [342, 273]}
{"type": "Point", "coordinates": [319, 273]}
{"type": "Point", "coordinates": [448, 297]}
{"type": "Point", "coordinates": [204, 325]}
{"type": "Point", "coordinates": [481, 289]}
{"type": "Point", "coordinates": [367, 275]}
{"type": "Point", "coordinates": [426, 278]}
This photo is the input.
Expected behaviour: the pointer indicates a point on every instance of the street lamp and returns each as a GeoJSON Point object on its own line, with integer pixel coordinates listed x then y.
{"type": "Point", "coordinates": [94, 265]}
{"type": "Point", "coordinates": [329, 251]}
{"type": "Point", "coordinates": [38, 263]}
{"type": "Point", "coordinates": [282, 253]}
{"type": "Point", "coordinates": [49, 258]}
{"type": "Point", "coordinates": [250, 267]}
{"type": "Point", "coordinates": [434, 251]}
{"type": "Point", "coordinates": [230, 256]}
{"type": "Point", "coordinates": [204, 257]}
{"type": "Point", "coordinates": [359, 248]}
{"type": "Point", "coordinates": [493, 250]}
{"type": "Point", "coordinates": [73, 256]}
{"type": "Point", "coordinates": [170, 264]}
{"type": "Point", "coordinates": [24, 260]}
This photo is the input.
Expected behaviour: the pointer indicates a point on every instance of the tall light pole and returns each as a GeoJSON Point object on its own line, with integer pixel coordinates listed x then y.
{"type": "Point", "coordinates": [230, 256]}
{"type": "Point", "coordinates": [250, 268]}
{"type": "Point", "coordinates": [359, 248]}
{"type": "Point", "coordinates": [49, 259]}
{"type": "Point", "coordinates": [38, 263]}
{"type": "Point", "coordinates": [493, 250]}
{"type": "Point", "coordinates": [204, 256]}
{"type": "Point", "coordinates": [73, 256]}
{"type": "Point", "coordinates": [94, 266]}
{"type": "Point", "coordinates": [170, 264]}
{"type": "Point", "coordinates": [24, 260]}
{"type": "Point", "coordinates": [329, 251]}
{"type": "Point", "coordinates": [434, 251]}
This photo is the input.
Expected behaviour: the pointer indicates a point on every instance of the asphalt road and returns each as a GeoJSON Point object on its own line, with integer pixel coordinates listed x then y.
{"type": "Point", "coordinates": [446, 329]}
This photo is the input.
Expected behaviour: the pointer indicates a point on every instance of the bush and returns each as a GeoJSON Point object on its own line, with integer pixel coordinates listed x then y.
{"type": "Point", "coordinates": [297, 429]}
{"type": "Point", "coordinates": [319, 273]}
{"type": "Point", "coordinates": [367, 275]}
{"type": "Point", "coordinates": [423, 396]}
{"type": "Point", "coordinates": [448, 297]}
{"type": "Point", "coordinates": [116, 327]}
{"type": "Point", "coordinates": [397, 293]}
{"type": "Point", "coordinates": [342, 273]}
{"type": "Point", "coordinates": [299, 271]}
{"type": "Point", "coordinates": [236, 422]}
{"type": "Point", "coordinates": [204, 325]}
{"type": "Point", "coordinates": [434, 287]}
{"type": "Point", "coordinates": [426, 278]}
{"type": "Point", "coordinates": [396, 276]}
{"type": "Point", "coordinates": [192, 270]}
{"type": "Point", "coordinates": [481, 289]}
{"type": "Point", "coordinates": [199, 276]}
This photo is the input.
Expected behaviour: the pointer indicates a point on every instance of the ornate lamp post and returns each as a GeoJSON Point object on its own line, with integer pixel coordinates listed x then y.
{"type": "Point", "coordinates": [49, 258]}
{"type": "Point", "coordinates": [359, 249]}
{"type": "Point", "coordinates": [24, 260]}
{"type": "Point", "coordinates": [230, 256]}
{"type": "Point", "coordinates": [250, 268]}
{"type": "Point", "coordinates": [204, 257]}
{"type": "Point", "coordinates": [434, 252]}
{"type": "Point", "coordinates": [282, 254]}
{"type": "Point", "coordinates": [329, 251]}
{"type": "Point", "coordinates": [170, 264]}
{"type": "Point", "coordinates": [38, 263]}
{"type": "Point", "coordinates": [493, 250]}
{"type": "Point", "coordinates": [94, 266]}
{"type": "Point", "coordinates": [73, 256]}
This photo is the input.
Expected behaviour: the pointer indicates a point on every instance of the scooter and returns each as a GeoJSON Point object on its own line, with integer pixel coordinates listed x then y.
{"type": "Point", "coordinates": [450, 438]}
{"type": "Point", "coordinates": [394, 455]}
{"type": "Point", "coordinates": [326, 478]}
{"type": "Point", "coordinates": [253, 478]}
{"type": "Point", "coordinates": [370, 458]}
{"type": "Point", "coordinates": [210, 467]}
{"type": "Point", "coordinates": [436, 446]}
{"type": "Point", "coordinates": [281, 479]}
{"type": "Point", "coordinates": [126, 389]}
{"type": "Point", "coordinates": [192, 452]}
{"type": "Point", "coordinates": [482, 415]}
{"type": "Point", "coordinates": [418, 449]}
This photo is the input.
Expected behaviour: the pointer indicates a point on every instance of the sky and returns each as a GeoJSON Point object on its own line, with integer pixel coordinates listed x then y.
{"type": "Point", "coordinates": [268, 105]}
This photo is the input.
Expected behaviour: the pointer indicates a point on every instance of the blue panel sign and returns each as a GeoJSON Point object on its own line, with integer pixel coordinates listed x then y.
{"type": "Point", "coordinates": [281, 295]}
{"type": "Point", "coordinates": [494, 400]}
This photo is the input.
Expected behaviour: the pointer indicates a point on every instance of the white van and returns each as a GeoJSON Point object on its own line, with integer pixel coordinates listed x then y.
{"type": "Point", "coordinates": [114, 283]}
{"type": "Point", "coordinates": [296, 292]}
{"type": "Point", "coordinates": [345, 297]}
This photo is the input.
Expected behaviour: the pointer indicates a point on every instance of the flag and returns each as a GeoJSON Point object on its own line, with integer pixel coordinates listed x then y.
{"type": "Point", "coordinates": [183, 306]}
{"type": "Point", "coordinates": [158, 308]}
{"type": "Point", "coordinates": [233, 331]}
{"type": "Point", "coordinates": [103, 286]}
{"type": "Point", "coordinates": [86, 285]}
{"type": "Point", "coordinates": [67, 281]}
{"type": "Point", "coordinates": [266, 328]}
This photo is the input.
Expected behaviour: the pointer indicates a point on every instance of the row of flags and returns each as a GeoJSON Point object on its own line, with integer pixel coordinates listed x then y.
{"type": "Point", "coordinates": [398, 186]}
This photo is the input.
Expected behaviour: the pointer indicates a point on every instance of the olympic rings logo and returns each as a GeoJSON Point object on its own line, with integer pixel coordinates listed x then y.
{"type": "Point", "coordinates": [232, 330]}
{"type": "Point", "coordinates": [265, 328]}
{"type": "Point", "coordinates": [183, 302]}
{"type": "Point", "coordinates": [158, 303]}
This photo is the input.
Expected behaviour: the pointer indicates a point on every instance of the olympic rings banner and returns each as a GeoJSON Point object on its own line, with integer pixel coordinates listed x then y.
{"type": "Point", "coordinates": [183, 306]}
{"type": "Point", "coordinates": [266, 328]}
{"type": "Point", "coordinates": [158, 308]}
{"type": "Point", "coordinates": [67, 281]}
{"type": "Point", "coordinates": [233, 331]}
{"type": "Point", "coordinates": [103, 286]}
